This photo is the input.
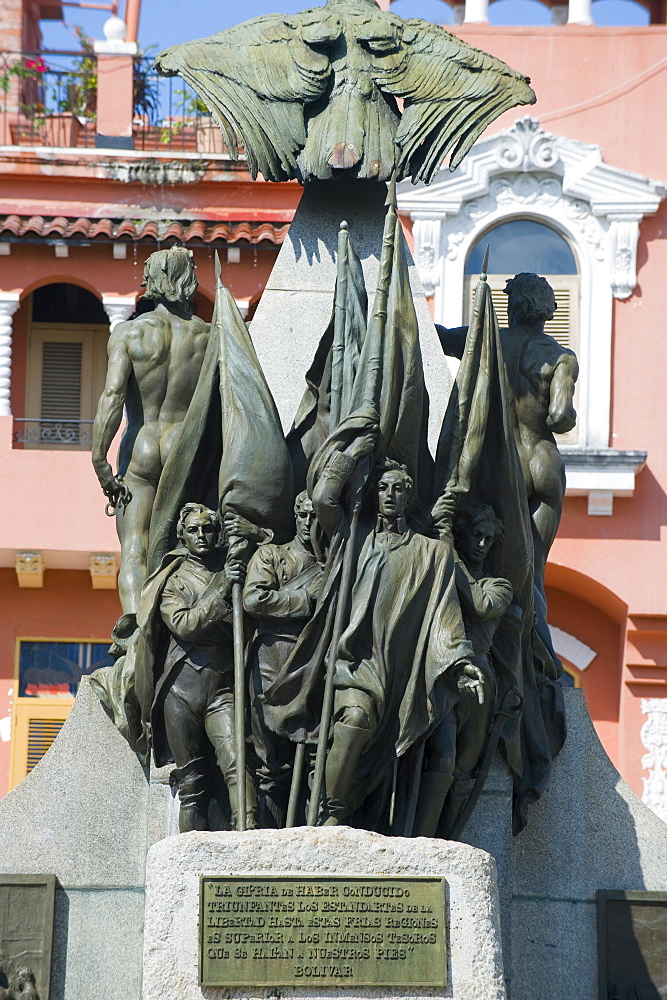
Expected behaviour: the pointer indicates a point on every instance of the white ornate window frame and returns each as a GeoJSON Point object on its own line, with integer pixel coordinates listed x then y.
{"type": "Point", "coordinates": [524, 172]}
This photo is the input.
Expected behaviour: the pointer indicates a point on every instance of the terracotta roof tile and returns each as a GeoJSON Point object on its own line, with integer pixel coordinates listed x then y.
{"type": "Point", "coordinates": [37, 226]}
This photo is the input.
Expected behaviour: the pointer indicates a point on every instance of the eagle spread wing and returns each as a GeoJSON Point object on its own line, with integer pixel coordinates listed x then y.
{"type": "Point", "coordinates": [313, 94]}
{"type": "Point", "coordinates": [256, 79]}
{"type": "Point", "coordinates": [451, 90]}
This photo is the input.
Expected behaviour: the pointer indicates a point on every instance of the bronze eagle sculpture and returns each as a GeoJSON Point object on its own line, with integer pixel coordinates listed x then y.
{"type": "Point", "coordinates": [314, 95]}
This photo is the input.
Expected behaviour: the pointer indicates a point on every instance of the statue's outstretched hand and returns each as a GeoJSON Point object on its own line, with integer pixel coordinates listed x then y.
{"type": "Point", "coordinates": [471, 681]}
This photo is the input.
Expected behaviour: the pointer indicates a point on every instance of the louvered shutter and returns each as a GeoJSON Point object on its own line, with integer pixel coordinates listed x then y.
{"type": "Point", "coordinates": [41, 734]}
{"type": "Point", "coordinates": [66, 371]}
{"type": "Point", "coordinates": [35, 724]}
{"type": "Point", "coordinates": [560, 327]}
{"type": "Point", "coordinates": [61, 390]}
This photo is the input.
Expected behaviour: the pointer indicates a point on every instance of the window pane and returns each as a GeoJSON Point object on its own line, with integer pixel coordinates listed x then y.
{"type": "Point", "coordinates": [54, 669]}
{"type": "Point", "coordinates": [522, 245]}
{"type": "Point", "coordinates": [64, 303]}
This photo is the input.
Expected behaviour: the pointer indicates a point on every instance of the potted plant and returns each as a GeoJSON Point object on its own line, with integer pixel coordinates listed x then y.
{"type": "Point", "coordinates": [194, 114]}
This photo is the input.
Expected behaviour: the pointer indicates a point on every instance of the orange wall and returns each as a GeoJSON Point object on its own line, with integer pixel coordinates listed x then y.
{"type": "Point", "coordinates": [93, 267]}
{"type": "Point", "coordinates": [92, 179]}
{"type": "Point", "coordinates": [51, 501]}
{"type": "Point", "coordinates": [65, 607]}
{"type": "Point", "coordinates": [601, 681]}
{"type": "Point", "coordinates": [605, 86]}
{"type": "Point", "coordinates": [625, 552]}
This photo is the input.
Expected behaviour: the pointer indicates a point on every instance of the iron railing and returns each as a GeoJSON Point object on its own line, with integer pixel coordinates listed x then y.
{"type": "Point", "coordinates": [47, 103]}
{"type": "Point", "coordinates": [51, 100]}
{"type": "Point", "coordinates": [38, 433]}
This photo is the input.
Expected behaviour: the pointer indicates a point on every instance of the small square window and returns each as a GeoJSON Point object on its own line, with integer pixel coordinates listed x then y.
{"type": "Point", "coordinates": [53, 669]}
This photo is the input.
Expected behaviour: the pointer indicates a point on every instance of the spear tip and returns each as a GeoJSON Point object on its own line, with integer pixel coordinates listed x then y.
{"type": "Point", "coordinates": [218, 269]}
{"type": "Point", "coordinates": [485, 264]}
{"type": "Point", "coordinates": [344, 226]}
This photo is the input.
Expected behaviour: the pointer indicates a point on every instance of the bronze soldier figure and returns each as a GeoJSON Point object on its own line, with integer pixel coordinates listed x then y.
{"type": "Point", "coordinates": [194, 694]}
{"type": "Point", "coordinates": [455, 747]}
{"type": "Point", "coordinates": [281, 589]}
{"type": "Point", "coordinates": [405, 631]}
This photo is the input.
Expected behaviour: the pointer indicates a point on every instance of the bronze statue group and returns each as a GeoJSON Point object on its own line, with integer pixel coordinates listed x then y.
{"type": "Point", "coordinates": [336, 627]}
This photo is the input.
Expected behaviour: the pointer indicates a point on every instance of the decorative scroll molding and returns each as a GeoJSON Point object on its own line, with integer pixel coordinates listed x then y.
{"type": "Point", "coordinates": [654, 737]}
{"type": "Point", "coordinates": [426, 233]}
{"type": "Point", "coordinates": [525, 166]}
{"type": "Point", "coordinates": [525, 172]}
{"type": "Point", "coordinates": [624, 234]}
{"type": "Point", "coordinates": [157, 172]}
{"type": "Point", "coordinates": [29, 569]}
{"type": "Point", "coordinates": [103, 570]}
{"type": "Point", "coordinates": [526, 147]}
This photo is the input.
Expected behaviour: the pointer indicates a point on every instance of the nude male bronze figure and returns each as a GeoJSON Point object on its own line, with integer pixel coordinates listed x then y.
{"type": "Point", "coordinates": [153, 367]}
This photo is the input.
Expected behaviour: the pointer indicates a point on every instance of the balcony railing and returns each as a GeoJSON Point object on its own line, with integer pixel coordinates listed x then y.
{"type": "Point", "coordinates": [51, 100]}
{"type": "Point", "coordinates": [37, 433]}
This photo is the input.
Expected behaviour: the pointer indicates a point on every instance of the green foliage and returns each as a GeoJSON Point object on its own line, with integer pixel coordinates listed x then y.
{"type": "Point", "coordinates": [146, 86]}
{"type": "Point", "coordinates": [189, 109]}
{"type": "Point", "coordinates": [80, 83]}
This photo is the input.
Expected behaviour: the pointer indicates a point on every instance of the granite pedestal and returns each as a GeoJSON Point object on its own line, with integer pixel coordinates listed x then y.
{"type": "Point", "coordinates": [82, 814]}
{"type": "Point", "coordinates": [174, 867]}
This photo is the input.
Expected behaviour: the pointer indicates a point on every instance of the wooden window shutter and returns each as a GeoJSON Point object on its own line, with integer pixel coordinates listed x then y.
{"type": "Point", "coordinates": [66, 372]}
{"type": "Point", "coordinates": [41, 734]}
{"type": "Point", "coordinates": [61, 380]}
{"type": "Point", "coordinates": [559, 327]}
{"type": "Point", "coordinates": [35, 724]}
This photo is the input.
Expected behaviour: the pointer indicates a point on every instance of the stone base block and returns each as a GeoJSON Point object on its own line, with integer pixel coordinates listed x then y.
{"type": "Point", "coordinates": [174, 867]}
{"type": "Point", "coordinates": [82, 814]}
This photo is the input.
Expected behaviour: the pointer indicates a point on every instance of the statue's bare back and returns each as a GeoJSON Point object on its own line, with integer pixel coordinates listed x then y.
{"type": "Point", "coordinates": [152, 372]}
{"type": "Point", "coordinates": [166, 354]}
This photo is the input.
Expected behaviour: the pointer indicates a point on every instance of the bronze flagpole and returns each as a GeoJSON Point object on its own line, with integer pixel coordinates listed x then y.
{"type": "Point", "coordinates": [371, 375]}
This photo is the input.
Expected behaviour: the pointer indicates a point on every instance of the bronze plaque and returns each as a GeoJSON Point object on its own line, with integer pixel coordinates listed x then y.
{"type": "Point", "coordinates": [322, 931]}
{"type": "Point", "coordinates": [26, 927]}
{"type": "Point", "coordinates": [632, 945]}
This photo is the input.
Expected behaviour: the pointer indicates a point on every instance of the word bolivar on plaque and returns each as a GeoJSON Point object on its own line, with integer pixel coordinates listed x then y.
{"type": "Point", "coordinates": [329, 931]}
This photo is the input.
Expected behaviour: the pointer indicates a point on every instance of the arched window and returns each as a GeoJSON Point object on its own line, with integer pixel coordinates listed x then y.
{"type": "Point", "coordinates": [525, 245]}
{"type": "Point", "coordinates": [66, 364]}
{"type": "Point", "coordinates": [526, 175]}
